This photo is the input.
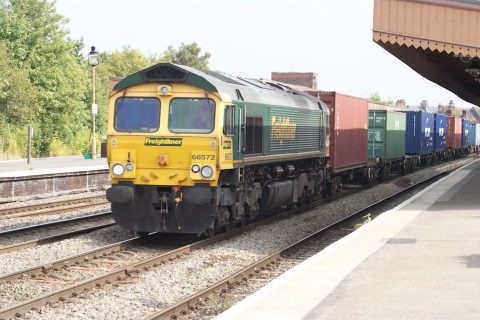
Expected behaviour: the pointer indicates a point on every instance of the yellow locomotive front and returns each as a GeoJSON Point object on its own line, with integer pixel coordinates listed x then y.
{"type": "Point", "coordinates": [166, 149]}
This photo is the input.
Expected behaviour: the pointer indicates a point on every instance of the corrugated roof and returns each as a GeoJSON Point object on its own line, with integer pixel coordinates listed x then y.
{"type": "Point", "coordinates": [440, 39]}
{"type": "Point", "coordinates": [442, 25]}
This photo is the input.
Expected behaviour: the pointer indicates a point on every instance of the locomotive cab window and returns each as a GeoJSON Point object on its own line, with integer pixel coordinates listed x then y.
{"type": "Point", "coordinates": [229, 122]}
{"type": "Point", "coordinates": [254, 135]}
{"type": "Point", "coordinates": [137, 114]}
{"type": "Point", "coordinates": [191, 115]}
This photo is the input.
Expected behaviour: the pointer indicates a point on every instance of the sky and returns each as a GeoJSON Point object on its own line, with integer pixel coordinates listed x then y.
{"type": "Point", "coordinates": [252, 38]}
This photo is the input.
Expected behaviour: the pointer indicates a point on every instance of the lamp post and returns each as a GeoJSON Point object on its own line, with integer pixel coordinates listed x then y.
{"type": "Point", "coordinates": [93, 57]}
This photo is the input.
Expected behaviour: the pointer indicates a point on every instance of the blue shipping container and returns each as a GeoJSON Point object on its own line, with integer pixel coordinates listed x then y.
{"type": "Point", "coordinates": [472, 134]}
{"type": "Point", "coordinates": [420, 131]}
{"type": "Point", "coordinates": [440, 139]}
{"type": "Point", "coordinates": [465, 133]}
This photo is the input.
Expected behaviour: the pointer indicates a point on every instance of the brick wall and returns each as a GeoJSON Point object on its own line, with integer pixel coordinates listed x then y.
{"type": "Point", "coordinates": [305, 79]}
{"type": "Point", "coordinates": [23, 188]}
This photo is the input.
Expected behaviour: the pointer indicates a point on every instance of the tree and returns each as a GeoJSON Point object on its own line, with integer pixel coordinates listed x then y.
{"type": "Point", "coordinates": [38, 43]}
{"type": "Point", "coordinates": [376, 98]}
{"type": "Point", "coordinates": [124, 62]}
{"type": "Point", "coordinates": [46, 66]}
{"type": "Point", "coordinates": [16, 92]}
{"type": "Point", "coordinates": [17, 105]}
{"type": "Point", "coordinates": [188, 55]}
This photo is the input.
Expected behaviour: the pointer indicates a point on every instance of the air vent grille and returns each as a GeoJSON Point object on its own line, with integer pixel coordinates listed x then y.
{"type": "Point", "coordinates": [165, 74]}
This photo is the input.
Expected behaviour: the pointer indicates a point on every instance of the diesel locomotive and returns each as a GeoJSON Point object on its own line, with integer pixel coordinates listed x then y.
{"type": "Point", "coordinates": [192, 151]}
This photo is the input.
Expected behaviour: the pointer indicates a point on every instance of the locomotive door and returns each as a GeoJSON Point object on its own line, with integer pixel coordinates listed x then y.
{"type": "Point", "coordinates": [239, 137]}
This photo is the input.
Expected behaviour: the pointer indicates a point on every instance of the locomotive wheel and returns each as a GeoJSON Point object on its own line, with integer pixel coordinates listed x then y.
{"type": "Point", "coordinates": [210, 233]}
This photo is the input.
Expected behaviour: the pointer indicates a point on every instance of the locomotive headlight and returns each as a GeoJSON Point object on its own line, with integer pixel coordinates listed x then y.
{"type": "Point", "coordinates": [195, 168]}
{"type": "Point", "coordinates": [118, 169]}
{"type": "Point", "coordinates": [206, 172]}
{"type": "Point", "coordinates": [129, 166]}
{"type": "Point", "coordinates": [165, 90]}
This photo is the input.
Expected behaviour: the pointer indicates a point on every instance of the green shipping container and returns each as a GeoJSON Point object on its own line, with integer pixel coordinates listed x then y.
{"type": "Point", "coordinates": [386, 134]}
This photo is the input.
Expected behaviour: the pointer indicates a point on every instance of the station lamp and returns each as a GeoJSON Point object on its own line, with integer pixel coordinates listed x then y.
{"type": "Point", "coordinates": [93, 60]}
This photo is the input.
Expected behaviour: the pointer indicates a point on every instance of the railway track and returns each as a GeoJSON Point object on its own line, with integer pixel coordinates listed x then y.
{"type": "Point", "coordinates": [54, 207]}
{"type": "Point", "coordinates": [73, 275]}
{"type": "Point", "coordinates": [125, 268]}
{"type": "Point", "coordinates": [266, 269]}
{"type": "Point", "coordinates": [31, 236]}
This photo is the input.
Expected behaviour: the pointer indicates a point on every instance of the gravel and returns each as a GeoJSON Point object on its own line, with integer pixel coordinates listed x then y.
{"type": "Point", "coordinates": [13, 223]}
{"type": "Point", "coordinates": [28, 288]}
{"type": "Point", "coordinates": [41, 200]}
{"type": "Point", "coordinates": [160, 287]}
{"type": "Point", "coordinates": [53, 229]}
{"type": "Point", "coordinates": [31, 257]}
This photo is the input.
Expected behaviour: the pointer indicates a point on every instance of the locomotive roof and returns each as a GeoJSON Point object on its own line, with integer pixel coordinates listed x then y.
{"type": "Point", "coordinates": [239, 89]}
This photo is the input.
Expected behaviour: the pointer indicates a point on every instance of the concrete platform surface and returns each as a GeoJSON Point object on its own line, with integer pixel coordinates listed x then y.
{"type": "Point", "coordinates": [420, 260]}
{"type": "Point", "coordinates": [40, 166]}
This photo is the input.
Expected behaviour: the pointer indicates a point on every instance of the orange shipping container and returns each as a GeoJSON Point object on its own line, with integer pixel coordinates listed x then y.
{"type": "Point", "coordinates": [348, 130]}
{"type": "Point", "coordinates": [454, 132]}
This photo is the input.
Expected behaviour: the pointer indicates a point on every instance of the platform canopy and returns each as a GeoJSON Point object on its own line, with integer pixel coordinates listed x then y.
{"type": "Point", "coordinates": [439, 39]}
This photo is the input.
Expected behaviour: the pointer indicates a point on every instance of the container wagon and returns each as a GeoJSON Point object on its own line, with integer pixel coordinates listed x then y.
{"type": "Point", "coordinates": [419, 136]}
{"type": "Point", "coordinates": [466, 142]}
{"type": "Point", "coordinates": [440, 136]}
{"type": "Point", "coordinates": [386, 141]}
{"type": "Point", "coordinates": [477, 134]}
{"type": "Point", "coordinates": [472, 137]}
{"type": "Point", "coordinates": [454, 136]}
{"type": "Point", "coordinates": [348, 158]}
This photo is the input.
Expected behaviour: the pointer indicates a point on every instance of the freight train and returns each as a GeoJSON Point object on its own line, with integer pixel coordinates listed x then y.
{"type": "Point", "coordinates": [194, 151]}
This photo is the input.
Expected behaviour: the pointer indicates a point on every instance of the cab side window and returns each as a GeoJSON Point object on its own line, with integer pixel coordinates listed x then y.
{"type": "Point", "coordinates": [229, 121]}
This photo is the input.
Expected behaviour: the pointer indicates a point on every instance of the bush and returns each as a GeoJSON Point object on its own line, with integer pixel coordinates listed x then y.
{"type": "Point", "coordinates": [13, 141]}
{"type": "Point", "coordinates": [79, 145]}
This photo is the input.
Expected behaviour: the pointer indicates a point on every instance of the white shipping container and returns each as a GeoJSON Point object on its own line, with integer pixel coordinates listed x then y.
{"type": "Point", "coordinates": [477, 134]}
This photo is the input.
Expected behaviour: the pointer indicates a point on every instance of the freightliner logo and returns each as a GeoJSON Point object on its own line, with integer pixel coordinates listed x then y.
{"type": "Point", "coordinates": [170, 142]}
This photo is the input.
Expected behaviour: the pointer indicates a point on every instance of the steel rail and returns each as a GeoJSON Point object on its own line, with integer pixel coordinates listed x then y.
{"type": "Point", "coordinates": [53, 211]}
{"type": "Point", "coordinates": [46, 208]}
{"type": "Point", "coordinates": [73, 260]}
{"type": "Point", "coordinates": [121, 273]}
{"type": "Point", "coordinates": [40, 241]}
{"type": "Point", "coordinates": [54, 223]}
{"type": "Point", "coordinates": [124, 272]}
{"type": "Point", "coordinates": [195, 300]}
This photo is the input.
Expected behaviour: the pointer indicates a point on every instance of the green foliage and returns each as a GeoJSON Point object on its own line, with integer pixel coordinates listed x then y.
{"type": "Point", "coordinates": [38, 43]}
{"type": "Point", "coordinates": [457, 113]}
{"type": "Point", "coordinates": [17, 106]}
{"type": "Point", "coordinates": [45, 80]}
{"type": "Point", "coordinates": [13, 142]}
{"type": "Point", "coordinates": [122, 63]}
{"type": "Point", "coordinates": [188, 55]}
{"type": "Point", "coordinates": [376, 98]}
{"type": "Point", "coordinates": [17, 94]}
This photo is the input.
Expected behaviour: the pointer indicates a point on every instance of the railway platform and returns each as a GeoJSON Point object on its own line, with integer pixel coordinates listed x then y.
{"type": "Point", "coordinates": [420, 260]}
{"type": "Point", "coordinates": [47, 177]}
{"type": "Point", "coordinates": [39, 166]}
